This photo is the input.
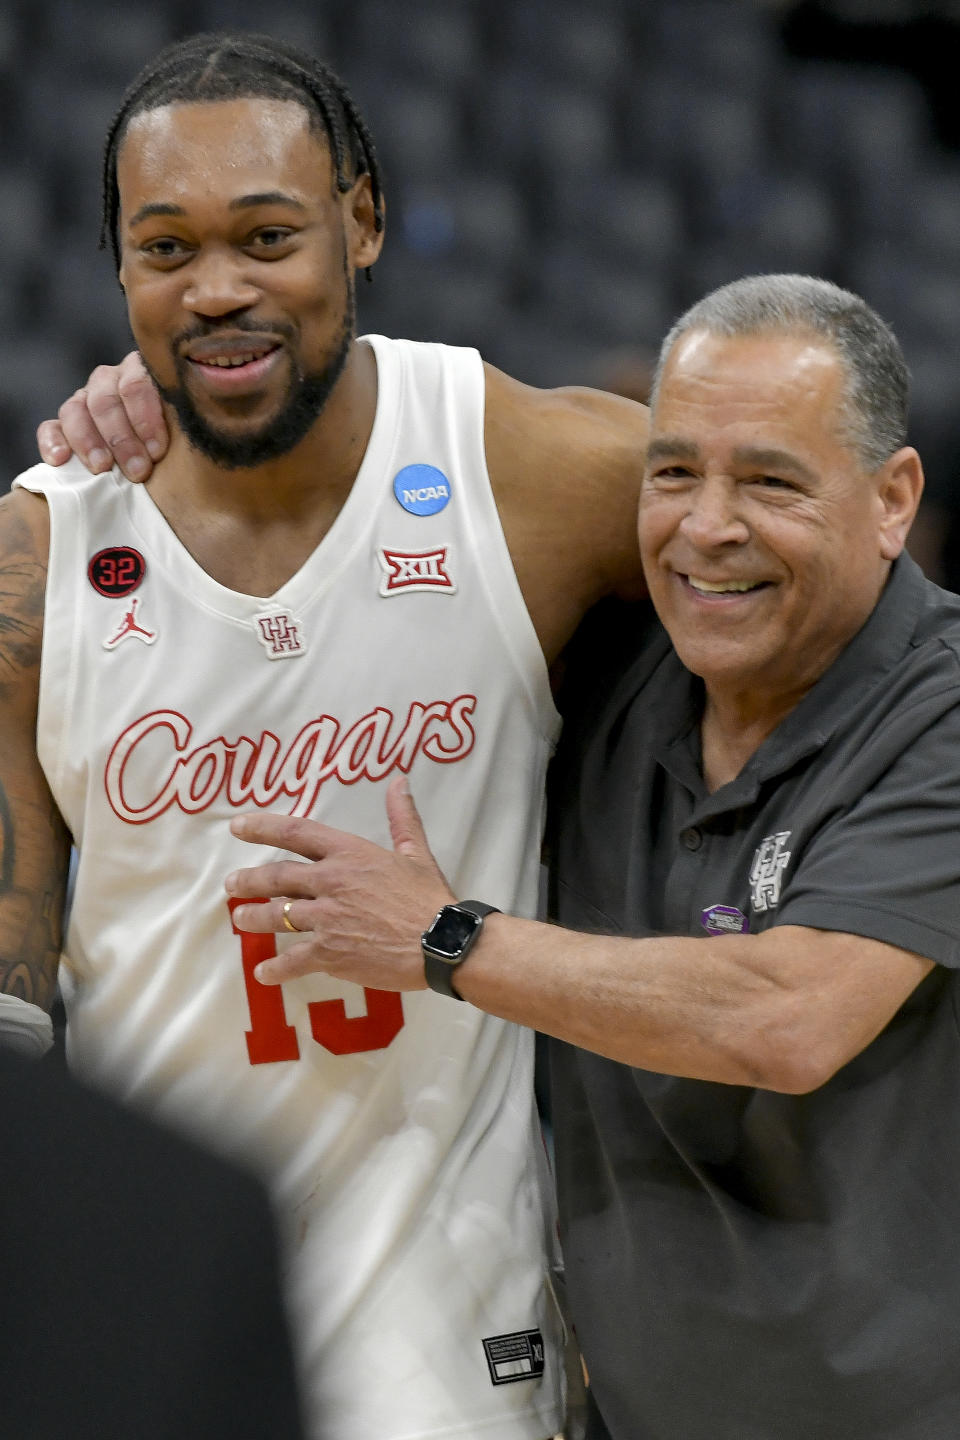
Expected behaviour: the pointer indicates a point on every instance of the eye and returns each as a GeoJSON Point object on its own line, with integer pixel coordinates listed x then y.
{"type": "Point", "coordinates": [165, 249]}
{"type": "Point", "coordinates": [774, 482]}
{"type": "Point", "coordinates": [670, 475]}
{"type": "Point", "coordinates": [271, 238]}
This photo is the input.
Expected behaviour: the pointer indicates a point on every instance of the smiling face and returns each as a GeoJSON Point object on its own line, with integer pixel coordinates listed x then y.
{"type": "Point", "coordinates": [764, 541]}
{"type": "Point", "coordinates": [237, 259]}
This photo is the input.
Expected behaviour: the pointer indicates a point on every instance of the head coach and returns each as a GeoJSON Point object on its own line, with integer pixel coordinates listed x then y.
{"type": "Point", "coordinates": [756, 861]}
{"type": "Point", "coordinates": [762, 1184]}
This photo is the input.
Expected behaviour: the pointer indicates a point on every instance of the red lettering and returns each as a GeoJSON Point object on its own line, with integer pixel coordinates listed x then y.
{"type": "Point", "coordinates": [271, 1038]}
{"type": "Point", "coordinates": [245, 770]}
{"type": "Point", "coordinates": [341, 1034]}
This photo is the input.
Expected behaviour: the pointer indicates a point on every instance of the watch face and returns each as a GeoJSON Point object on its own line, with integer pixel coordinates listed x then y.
{"type": "Point", "coordinates": [451, 930]}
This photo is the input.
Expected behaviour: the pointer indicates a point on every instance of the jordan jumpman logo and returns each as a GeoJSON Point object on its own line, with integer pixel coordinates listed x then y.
{"type": "Point", "coordinates": [128, 629]}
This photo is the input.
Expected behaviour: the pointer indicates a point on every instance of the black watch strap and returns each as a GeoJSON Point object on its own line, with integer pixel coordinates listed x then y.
{"type": "Point", "coordinates": [447, 942]}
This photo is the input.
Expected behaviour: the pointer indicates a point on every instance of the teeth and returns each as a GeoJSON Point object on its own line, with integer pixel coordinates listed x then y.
{"type": "Point", "coordinates": [231, 362]}
{"type": "Point", "coordinates": [726, 587]}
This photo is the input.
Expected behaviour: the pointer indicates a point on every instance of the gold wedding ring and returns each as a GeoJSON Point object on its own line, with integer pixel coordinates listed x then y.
{"type": "Point", "coordinates": [287, 922]}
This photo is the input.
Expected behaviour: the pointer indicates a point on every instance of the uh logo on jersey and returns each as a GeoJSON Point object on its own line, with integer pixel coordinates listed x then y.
{"type": "Point", "coordinates": [280, 633]}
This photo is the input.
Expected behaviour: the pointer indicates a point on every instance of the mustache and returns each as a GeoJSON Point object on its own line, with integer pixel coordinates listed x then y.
{"type": "Point", "coordinates": [202, 329]}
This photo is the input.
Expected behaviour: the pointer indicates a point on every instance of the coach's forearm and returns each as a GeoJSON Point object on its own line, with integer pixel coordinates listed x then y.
{"type": "Point", "coordinates": [781, 1011]}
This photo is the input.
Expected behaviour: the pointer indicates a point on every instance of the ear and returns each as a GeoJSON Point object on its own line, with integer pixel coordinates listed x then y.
{"type": "Point", "coordinates": [364, 240]}
{"type": "Point", "coordinates": [899, 487]}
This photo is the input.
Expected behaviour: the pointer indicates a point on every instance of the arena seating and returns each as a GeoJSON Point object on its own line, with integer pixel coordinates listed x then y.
{"type": "Point", "coordinates": [561, 180]}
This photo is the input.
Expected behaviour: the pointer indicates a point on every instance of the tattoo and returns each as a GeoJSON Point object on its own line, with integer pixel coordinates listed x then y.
{"type": "Point", "coordinates": [33, 878]}
{"type": "Point", "coordinates": [23, 577]}
{"type": "Point", "coordinates": [34, 844]}
{"type": "Point", "coordinates": [7, 854]}
{"type": "Point", "coordinates": [19, 981]}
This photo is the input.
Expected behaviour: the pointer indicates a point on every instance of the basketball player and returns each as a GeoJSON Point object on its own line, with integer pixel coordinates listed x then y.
{"type": "Point", "coordinates": [355, 560]}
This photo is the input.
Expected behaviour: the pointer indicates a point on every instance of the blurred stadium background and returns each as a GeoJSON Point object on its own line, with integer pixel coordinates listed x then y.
{"type": "Point", "coordinates": [562, 179]}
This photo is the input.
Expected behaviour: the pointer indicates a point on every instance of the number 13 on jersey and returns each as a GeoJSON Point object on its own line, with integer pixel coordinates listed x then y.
{"type": "Point", "coordinates": [271, 1037]}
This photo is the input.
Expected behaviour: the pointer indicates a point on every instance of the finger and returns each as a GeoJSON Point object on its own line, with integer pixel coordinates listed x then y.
{"type": "Point", "coordinates": [141, 400]}
{"type": "Point", "coordinates": [406, 827]}
{"type": "Point", "coordinates": [52, 443]}
{"type": "Point", "coordinates": [82, 435]}
{"type": "Point", "coordinates": [278, 877]}
{"type": "Point", "coordinates": [108, 413]}
{"type": "Point", "coordinates": [291, 963]}
{"type": "Point", "coordinates": [286, 832]}
{"type": "Point", "coordinates": [265, 918]}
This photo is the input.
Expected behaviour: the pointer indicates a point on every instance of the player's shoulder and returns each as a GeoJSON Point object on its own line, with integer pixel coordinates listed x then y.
{"type": "Point", "coordinates": [43, 479]}
{"type": "Point", "coordinates": [67, 490]}
{"type": "Point", "coordinates": [571, 420]}
{"type": "Point", "coordinates": [571, 459]}
{"type": "Point", "coordinates": [573, 451]}
{"type": "Point", "coordinates": [24, 522]}
{"type": "Point", "coordinates": [24, 551]}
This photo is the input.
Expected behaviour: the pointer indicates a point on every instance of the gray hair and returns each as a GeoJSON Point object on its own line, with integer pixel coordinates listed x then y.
{"type": "Point", "coordinates": [878, 382]}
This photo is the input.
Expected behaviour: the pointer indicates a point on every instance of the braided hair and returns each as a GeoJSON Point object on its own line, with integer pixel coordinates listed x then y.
{"type": "Point", "coordinates": [232, 66]}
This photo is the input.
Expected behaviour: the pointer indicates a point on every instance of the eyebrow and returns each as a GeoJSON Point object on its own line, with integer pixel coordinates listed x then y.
{"type": "Point", "coordinates": [674, 447]}
{"type": "Point", "coordinates": [242, 202]}
{"type": "Point", "coordinates": [771, 459]}
{"type": "Point", "coordinates": [266, 197]}
{"type": "Point", "coordinates": [155, 208]}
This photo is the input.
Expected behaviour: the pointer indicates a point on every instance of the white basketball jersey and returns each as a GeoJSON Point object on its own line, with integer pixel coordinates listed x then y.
{"type": "Point", "coordinates": [398, 1131]}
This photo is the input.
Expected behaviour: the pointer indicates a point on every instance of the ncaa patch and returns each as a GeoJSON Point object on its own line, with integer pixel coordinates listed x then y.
{"type": "Point", "coordinates": [421, 489]}
{"type": "Point", "coordinates": [116, 571]}
{"type": "Point", "coordinates": [514, 1357]}
{"type": "Point", "coordinates": [415, 570]}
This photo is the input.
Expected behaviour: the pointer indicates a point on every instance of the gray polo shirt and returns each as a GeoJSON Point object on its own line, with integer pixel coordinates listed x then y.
{"type": "Point", "coordinates": [745, 1265]}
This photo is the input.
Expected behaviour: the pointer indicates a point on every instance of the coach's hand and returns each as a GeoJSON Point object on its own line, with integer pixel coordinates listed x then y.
{"type": "Point", "coordinates": [361, 909]}
{"type": "Point", "coordinates": [116, 418]}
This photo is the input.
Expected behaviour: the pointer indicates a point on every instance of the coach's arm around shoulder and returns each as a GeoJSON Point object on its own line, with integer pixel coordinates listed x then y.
{"type": "Point", "coordinates": [34, 843]}
{"type": "Point", "coordinates": [782, 1010]}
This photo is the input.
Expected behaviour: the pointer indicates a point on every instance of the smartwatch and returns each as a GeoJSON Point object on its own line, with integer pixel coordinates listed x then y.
{"type": "Point", "coordinates": [447, 942]}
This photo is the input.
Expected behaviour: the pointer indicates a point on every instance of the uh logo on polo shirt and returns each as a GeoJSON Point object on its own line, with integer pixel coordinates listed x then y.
{"type": "Point", "coordinates": [766, 873]}
{"type": "Point", "coordinates": [770, 860]}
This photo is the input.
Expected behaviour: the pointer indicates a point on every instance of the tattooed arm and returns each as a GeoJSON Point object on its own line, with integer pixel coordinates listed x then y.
{"type": "Point", "coordinates": [34, 844]}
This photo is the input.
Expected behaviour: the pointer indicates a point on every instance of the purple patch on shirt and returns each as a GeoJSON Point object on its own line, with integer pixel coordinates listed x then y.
{"type": "Point", "coordinates": [724, 920]}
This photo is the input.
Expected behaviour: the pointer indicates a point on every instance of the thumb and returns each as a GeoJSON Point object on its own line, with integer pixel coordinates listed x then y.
{"type": "Point", "coordinates": [406, 827]}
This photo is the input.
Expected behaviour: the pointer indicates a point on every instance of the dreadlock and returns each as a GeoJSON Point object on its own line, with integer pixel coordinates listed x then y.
{"type": "Point", "coordinates": [231, 66]}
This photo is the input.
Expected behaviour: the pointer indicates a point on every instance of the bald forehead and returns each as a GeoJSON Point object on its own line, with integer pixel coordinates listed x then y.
{"type": "Point", "coordinates": [754, 376]}
{"type": "Point", "coordinates": [799, 355]}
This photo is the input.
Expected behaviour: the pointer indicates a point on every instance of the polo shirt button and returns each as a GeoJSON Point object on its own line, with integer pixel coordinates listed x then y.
{"type": "Point", "coordinates": [692, 838]}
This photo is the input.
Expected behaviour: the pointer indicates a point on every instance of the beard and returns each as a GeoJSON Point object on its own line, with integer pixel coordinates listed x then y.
{"type": "Point", "coordinates": [304, 401]}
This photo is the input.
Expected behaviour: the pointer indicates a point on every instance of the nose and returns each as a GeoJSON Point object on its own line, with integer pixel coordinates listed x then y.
{"type": "Point", "coordinates": [712, 517]}
{"type": "Point", "coordinates": [219, 284]}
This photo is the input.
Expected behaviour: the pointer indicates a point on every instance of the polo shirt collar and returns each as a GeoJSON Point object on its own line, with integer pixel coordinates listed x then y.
{"type": "Point", "coordinates": [876, 648]}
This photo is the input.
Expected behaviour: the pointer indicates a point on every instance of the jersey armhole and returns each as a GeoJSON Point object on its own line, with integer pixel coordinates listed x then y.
{"type": "Point", "coordinates": [498, 575]}
{"type": "Point", "coordinates": [60, 650]}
